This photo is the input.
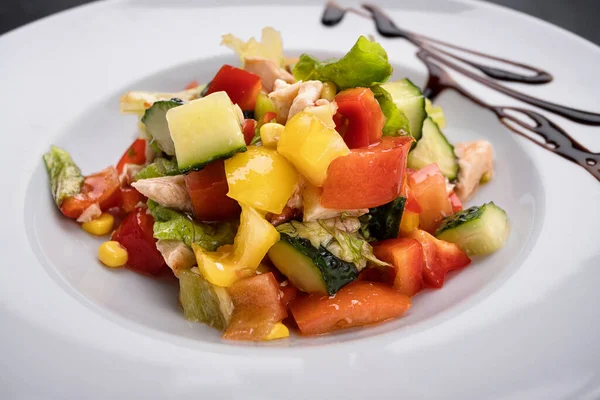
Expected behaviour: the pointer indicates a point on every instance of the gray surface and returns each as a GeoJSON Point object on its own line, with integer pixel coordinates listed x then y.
{"type": "Point", "coordinates": [578, 16]}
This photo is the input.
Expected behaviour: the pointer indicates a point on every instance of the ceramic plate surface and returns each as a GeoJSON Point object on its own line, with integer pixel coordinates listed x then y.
{"type": "Point", "coordinates": [522, 324]}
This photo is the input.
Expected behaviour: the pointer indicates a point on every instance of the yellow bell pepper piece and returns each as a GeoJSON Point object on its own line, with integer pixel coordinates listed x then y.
{"type": "Point", "coordinates": [270, 134]}
{"type": "Point", "coordinates": [279, 331]}
{"type": "Point", "coordinates": [311, 146]}
{"type": "Point", "coordinates": [409, 222]}
{"type": "Point", "coordinates": [254, 238]}
{"type": "Point", "coordinates": [261, 178]}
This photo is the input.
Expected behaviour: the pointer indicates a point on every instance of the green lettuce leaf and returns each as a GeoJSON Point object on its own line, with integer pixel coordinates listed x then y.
{"type": "Point", "coordinates": [338, 235]}
{"type": "Point", "coordinates": [173, 225]}
{"type": "Point", "coordinates": [396, 122]}
{"type": "Point", "coordinates": [160, 167]}
{"type": "Point", "coordinates": [365, 65]}
{"type": "Point", "coordinates": [65, 176]}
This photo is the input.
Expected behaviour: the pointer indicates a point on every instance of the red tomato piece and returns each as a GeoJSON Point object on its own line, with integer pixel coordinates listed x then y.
{"type": "Point", "coordinates": [359, 118]}
{"type": "Point", "coordinates": [208, 191]}
{"type": "Point", "coordinates": [130, 198]}
{"type": "Point", "coordinates": [367, 177]}
{"type": "Point", "coordinates": [406, 257]}
{"type": "Point", "coordinates": [455, 202]}
{"type": "Point", "coordinates": [440, 258]}
{"type": "Point", "coordinates": [136, 235]}
{"type": "Point", "coordinates": [356, 304]}
{"type": "Point", "coordinates": [257, 307]}
{"type": "Point", "coordinates": [241, 86]}
{"type": "Point", "coordinates": [429, 187]}
{"type": "Point", "coordinates": [249, 130]}
{"type": "Point", "coordinates": [193, 84]}
{"type": "Point", "coordinates": [101, 187]}
{"type": "Point", "coordinates": [289, 292]}
{"type": "Point", "coordinates": [269, 116]}
{"type": "Point", "coordinates": [135, 154]}
{"type": "Point", "coordinates": [411, 204]}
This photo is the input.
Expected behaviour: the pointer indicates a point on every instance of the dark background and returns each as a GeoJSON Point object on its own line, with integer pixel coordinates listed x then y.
{"type": "Point", "coordinates": [579, 16]}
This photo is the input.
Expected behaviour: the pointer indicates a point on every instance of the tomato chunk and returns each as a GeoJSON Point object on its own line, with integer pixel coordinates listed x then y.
{"type": "Point", "coordinates": [367, 177]}
{"type": "Point", "coordinates": [130, 198]}
{"type": "Point", "coordinates": [359, 118]}
{"type": "Point", "coordinates": [241, 86]}
{"type": "Point", "coordinates": [455, 202]}
{"type": "Point", "coordinates": [257, 307]}
{"type": "Point", "coordinates": [136, 234]}
{"type": "Point", "coordinates": [135, 154]}
{"type": "Point", "coordinates": [358, 303]}
{"type": "Point", "coordinates": [406, 257]}
{"type": "Point", "coordinates": [440, 258]}
{"type": "Point", "coordinates": [429, 188]}
{"type": "Point", "coordinates": [101, 188]}
{"type": "Point", "coordinates": [249, 130]}
{"type": "Point", "coordinates": [208, 191]}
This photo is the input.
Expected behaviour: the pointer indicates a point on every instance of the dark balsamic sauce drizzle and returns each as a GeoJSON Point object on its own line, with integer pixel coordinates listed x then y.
{"type": "Point", "coordinates": [436, 56]}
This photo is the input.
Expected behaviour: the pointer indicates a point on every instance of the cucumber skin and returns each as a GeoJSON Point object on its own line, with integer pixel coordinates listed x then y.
{"type": "Point", "coordinates": [336, 273]}
{"type": "Point", "coordinates": [451, 175]}
{"type": "Point", "coordinates": [200, 166]}
{"type": "Point", "coordinates": [384, 221]}
{"type": "Point", "coordinates": [461, 217]}
{"type": "Point", "coordinates": [160, 106]}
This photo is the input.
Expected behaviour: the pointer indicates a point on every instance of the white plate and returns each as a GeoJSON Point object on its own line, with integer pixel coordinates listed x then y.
{"type": "Point", "coordinates": [520, 324]}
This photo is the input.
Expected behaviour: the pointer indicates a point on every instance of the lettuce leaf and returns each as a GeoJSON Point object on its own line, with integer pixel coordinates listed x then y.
{"type": "Point", "coordinates": [338, 235]}
{"type": "Point", "coordinates": [173, 225]}
{"type": "Point", "coordinates": [65, 176]}
{"type": "Point", "coordinates": [160, 167]}
{"type": "Point", "coordinates": [365, 65]}
{"type": "Point", "coordinates": [396, 122]}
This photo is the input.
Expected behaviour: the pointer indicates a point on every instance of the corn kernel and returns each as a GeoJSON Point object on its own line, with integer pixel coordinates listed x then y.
{"type": "Point", "coordinates": [112, 254]}
{"type": "Point", "coordinates": [270, 133]}
{"type": "Point", "coordinates": [409, 222]}
{"type": "Point", "coordinates": [329, 91]}
{"type": "Point", "coordinates": [100, 226]}
{"type": "Point", "coordinates": [279, 331]}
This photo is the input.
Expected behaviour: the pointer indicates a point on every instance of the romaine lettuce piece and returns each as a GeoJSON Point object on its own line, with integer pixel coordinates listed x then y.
{"type": "Point", "coordinates": [396, 122]}
{"type": "Point", "coordinates": [365, 65]}
{"type": "Point", "coordinates": [173, 225]}
{"type": "Point", "coordinates": [160, 167]}
{"type": "Point", "coordinates": [65, 176]}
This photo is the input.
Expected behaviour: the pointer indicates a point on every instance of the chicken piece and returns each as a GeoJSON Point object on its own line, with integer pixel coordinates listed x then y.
{"type": "Point", "coordinates": [176, 254]}
{"type": "Point", "coordinates": [475, 160]}
{"type": "Point", "coordinates": [268, 70]}
{"type": "Point", "coordinates": [282, 97]}
{"type": "Point", "coordinates": [90, 213]}
{"type": "Point", "coordinates": [168, 191]}
{"type": "Point", "coordinates": [310, 91]}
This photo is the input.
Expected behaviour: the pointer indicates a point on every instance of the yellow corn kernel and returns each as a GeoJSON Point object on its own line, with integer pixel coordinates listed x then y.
{"type": "Point", "coordinates": [112, 254]}
{"type": "Point", "coordinates": [279, 331]}
{"type": "Point", "coordinates": [270, 133]}
{"type": "Point", "coordinates": [329, 91]}
{"type": "Point", "coordinates": [100, 226]}
{"type": "Point", "coordinates": [409, 222]}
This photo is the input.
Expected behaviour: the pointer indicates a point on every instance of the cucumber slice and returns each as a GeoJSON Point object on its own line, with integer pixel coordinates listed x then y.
{"type": "Point", "coordinates": [311, 269]}
{"type": "Point", "coordinates": [436, 113]}
{"type": "Point", "coordinates": [155, 121]}
{"type": "Point", "coordinates": [383, 222]}
{"type": "Point", "coordinates": [434, 148]}
{"type": "Point", "coordinates": [204, 302]}
{"type": "Point", "coordinates": [205, 130]}
{"type": "Point", "coordinates": [411, 102]}
{"type": "Point", "coordinates": [477, 230]}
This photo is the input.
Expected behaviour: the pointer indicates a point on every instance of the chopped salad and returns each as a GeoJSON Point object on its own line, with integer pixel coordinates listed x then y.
{"type": "Point", "coordinates": [288, 192]}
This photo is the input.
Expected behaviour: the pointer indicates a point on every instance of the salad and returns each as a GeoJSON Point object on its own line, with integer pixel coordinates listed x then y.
{"type": "Point", "coordinates": [288, 193]}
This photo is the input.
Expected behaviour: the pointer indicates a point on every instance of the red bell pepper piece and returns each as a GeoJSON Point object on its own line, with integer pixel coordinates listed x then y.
{"type": "Point", "coordinates": [101, 188]}
{"type": "Point", "coordinates": [356, 304]}
{"type": "Point", "coordinates": [208, 191]}
{"type": "Point", "coordinates": [406, 258]}
{"type": "Point", "coordinates": [367, 177]}
{"type": "Point", "coordinates": [135, 154]}
{"type": "Point", "coordinates": [455, 202]}
{"type": "Point", "coordinates": [249, 130]}
{"type": "Point", "coordinates": [241, 86]}
{"type": "Point", "coordinates": [136, 235]}
{"type": "Point", "coordinates": [359, 118]}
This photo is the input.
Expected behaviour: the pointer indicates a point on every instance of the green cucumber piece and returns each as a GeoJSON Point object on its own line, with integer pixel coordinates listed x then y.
{"type": "Point", "coordinates": [311, 269]}
{"type": "Point", "coordinates": [383, 222]}
{"type": "Point", "coordinates": [477, 230]}
{"type": "Point", "coordinates": [204, 302]}
{"type": "Point", "coordinates": [433, 147]}
{"type": "Point", "coordinates": [156, 124]}
{"type": "Point", "coordinates": [410, 101]}
{"type": "Point", "coordinates": [205, 130]}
